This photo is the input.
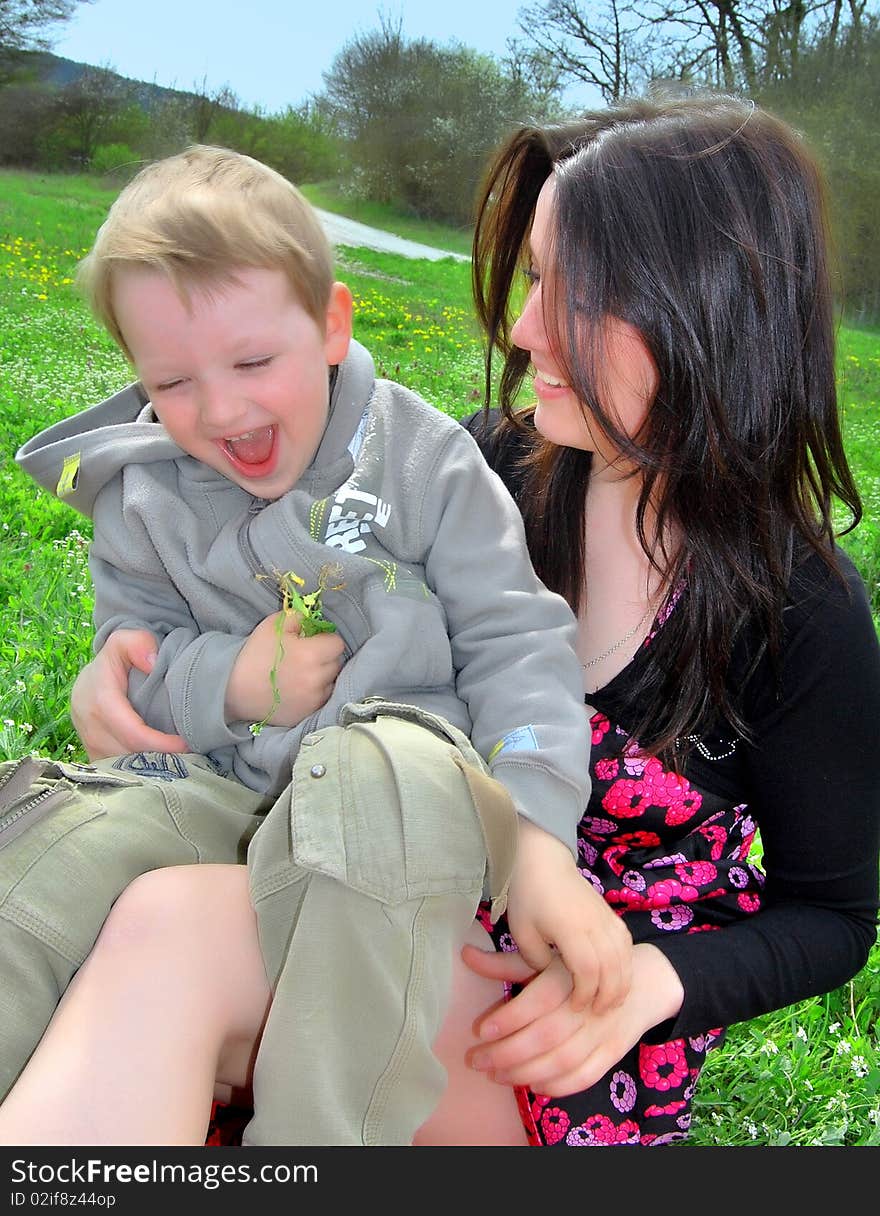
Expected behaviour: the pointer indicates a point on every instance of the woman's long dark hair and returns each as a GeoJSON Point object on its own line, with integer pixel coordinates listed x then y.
{"type": "Point", "coordinates": [701, 222]}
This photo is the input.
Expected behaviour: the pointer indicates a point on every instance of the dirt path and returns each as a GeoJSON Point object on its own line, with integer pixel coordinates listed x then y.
{"type": "Point", "coordinates": [342, 231]}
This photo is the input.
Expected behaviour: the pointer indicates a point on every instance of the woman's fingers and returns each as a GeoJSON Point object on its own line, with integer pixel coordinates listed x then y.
{"type": "Point", "coordinates": [105, 720]}
{"type": "Point", "coordinates": [570, 1070]}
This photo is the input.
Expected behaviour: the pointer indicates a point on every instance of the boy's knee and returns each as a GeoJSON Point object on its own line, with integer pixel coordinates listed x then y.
{"type": "Point", "coordinates": [152, 907]}
{"type": "Point", "coordinates": [178, 904]}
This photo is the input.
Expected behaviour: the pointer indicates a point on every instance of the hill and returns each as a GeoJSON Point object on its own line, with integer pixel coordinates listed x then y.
{"type": "Point", "coordinates": [54, 71]}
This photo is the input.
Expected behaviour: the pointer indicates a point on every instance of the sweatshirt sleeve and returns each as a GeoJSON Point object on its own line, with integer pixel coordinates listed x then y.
{"type": "Point", "coordinates": [813, 770]}
{"type": "Point", "coordinates": [183, 693]}
{"type": "Point", "coordinates": [512, 640]}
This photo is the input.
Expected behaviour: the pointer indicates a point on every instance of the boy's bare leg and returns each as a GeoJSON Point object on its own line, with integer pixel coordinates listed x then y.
{"type": "Point", "coordinates": [173, 995]}
{"type": "Point", "coordinates": [473, 1110]}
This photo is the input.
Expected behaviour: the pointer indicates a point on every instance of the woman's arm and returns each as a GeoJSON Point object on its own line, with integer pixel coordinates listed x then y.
{"type": "Point", "coordinates": [813, 769]}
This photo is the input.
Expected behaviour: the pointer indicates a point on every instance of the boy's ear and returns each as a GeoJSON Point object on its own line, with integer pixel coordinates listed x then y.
{"type": "Point", "coordinates": [338, 322]}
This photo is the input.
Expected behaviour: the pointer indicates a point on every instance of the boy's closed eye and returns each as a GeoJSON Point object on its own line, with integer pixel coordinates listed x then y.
{"type": "Point", "coordinates": [247, 364]}
{"type": "Point", "coordinates": [243, 365]}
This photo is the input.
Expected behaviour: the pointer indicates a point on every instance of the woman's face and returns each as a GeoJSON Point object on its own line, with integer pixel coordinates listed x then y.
{"type": "Point", "coordinates": [627, 377]}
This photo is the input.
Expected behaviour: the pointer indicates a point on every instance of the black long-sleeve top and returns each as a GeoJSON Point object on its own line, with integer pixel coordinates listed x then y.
{"type": "Point", "coordinates": [670, 852]}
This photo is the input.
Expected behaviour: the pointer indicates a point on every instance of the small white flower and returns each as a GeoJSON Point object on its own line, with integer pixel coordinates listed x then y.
{"type": "Point", "coordinates": [750, 1127]}
{"type": "Point", "coordinates": [26, 727]}
{"type": "Point", "coordinates": [801, 1034]}
{"type": "Point", "coordinates": [769, 1048]}
{"type": "Point", "coordinates": [8, 722]}
{"type": "Point", "coordinates": [874, 1116]}
{"type": "Point", "coordinates": [844, 1048]}
{"type": "Point", "coordinates": [859, 1065]}
{"type": "Point", "coordinates": [808, 1084]}
{"type": "Point", "coordinates": [20, 685]}
{"type": "Point", "coordinates": [71, 747]}
{"type": "Point", "coordinates": [834, 1028]}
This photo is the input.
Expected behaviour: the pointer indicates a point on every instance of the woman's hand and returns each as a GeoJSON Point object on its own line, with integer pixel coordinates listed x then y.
{"type": "Point", "coordinates": [541, 1040]}
{"type": "Point", "coordinates": [99, 706]}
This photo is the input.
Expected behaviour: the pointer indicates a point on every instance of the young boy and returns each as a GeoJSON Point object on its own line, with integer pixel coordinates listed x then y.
{"type": "Point", "coordinates": [258, 454]}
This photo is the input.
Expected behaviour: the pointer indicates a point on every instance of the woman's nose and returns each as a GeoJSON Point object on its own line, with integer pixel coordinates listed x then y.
{"type": "Point", "coordinates": [528, 328]}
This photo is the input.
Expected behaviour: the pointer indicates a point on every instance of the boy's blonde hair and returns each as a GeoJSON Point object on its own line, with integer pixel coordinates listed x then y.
{"type": "Point", "coordinates": [199, 215]}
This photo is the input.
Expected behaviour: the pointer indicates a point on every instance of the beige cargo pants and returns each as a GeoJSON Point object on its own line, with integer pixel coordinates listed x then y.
{"type": "Point", "coordinates": [365, 875]}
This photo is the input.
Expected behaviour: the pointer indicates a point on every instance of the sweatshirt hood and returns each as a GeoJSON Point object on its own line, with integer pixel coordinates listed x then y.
{"type": "Point", "coordinates": [75, 458]}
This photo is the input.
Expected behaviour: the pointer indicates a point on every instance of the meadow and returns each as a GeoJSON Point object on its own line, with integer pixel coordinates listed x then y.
{"type": "Point", "coordinates": [808, 1075]}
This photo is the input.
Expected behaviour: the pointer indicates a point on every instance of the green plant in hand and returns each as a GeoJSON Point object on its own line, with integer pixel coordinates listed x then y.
{"type": "Point", "coordinates": [307, 610]}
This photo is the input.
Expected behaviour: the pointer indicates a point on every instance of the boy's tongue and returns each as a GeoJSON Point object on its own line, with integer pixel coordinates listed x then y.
{"type": "Point", "coordinates": [253, 448]}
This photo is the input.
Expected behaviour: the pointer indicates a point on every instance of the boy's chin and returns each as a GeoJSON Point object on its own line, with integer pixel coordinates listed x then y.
{"type": "Point", "coordinates": [269, 488]}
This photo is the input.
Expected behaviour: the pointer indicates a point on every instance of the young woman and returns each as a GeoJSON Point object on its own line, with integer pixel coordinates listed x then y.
{"type": "Point", "coordinates": [677, 476]}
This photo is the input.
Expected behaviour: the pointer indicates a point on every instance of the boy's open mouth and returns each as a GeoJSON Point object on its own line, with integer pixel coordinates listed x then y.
{"type": "Point", "coordinates": [253, 451]}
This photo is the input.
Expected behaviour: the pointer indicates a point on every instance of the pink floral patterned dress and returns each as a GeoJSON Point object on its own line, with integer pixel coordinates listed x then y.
{"type": "Point", "coordinates": [671, 858]}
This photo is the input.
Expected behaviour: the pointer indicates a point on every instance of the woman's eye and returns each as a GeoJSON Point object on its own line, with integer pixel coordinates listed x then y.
{"type": "Point", "coordinates": [531, 275]}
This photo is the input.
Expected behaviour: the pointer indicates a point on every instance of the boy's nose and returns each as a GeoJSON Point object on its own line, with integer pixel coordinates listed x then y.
{"type": "Point", "coordinates": [219, 407]}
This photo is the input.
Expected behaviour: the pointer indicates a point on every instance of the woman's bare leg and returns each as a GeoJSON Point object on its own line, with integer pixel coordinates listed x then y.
{"type": "Point", "coordinates": [173, 995]}
{"type": "Point", "coordinates": [173, 999]}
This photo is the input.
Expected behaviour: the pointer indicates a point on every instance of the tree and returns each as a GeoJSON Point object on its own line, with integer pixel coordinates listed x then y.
{"type": "Point", "coordinates": [25, 117]}
{"type": "Point", "coordinates": [537, 74]}
{"type": "Point", "coordinates": [833, 99]}
{"type": "Point", "coordinates": [814, 62]}
{"type": "Point", "coordinates": [419, 119]}
{"type": "Point", "coordinates": [94, 108]}
{"type": "Point", "coordinates": [206, 106]}
{"type": "Point", "coordinates": [22, 27]}
{"type": "Point", "coordinates": [603, 51]}
{"type": "Point", "coordinates": [727, 44]}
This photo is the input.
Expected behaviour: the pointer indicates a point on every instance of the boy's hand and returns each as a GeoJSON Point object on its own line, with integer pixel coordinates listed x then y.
{"type": "Point", "coordinates": [305, 674]}
{"type": "Point", "coordinates": [99, 706]}
{"type": "Point", "coordinates": [552, 909]}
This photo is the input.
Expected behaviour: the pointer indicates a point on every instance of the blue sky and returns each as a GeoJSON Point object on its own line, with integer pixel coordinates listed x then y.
{"type": "Point", "coordinates": [269, 52]}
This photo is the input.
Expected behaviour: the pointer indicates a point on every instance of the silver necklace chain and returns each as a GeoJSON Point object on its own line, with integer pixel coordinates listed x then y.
{"type": "Point", "coordinates": [620, 642]}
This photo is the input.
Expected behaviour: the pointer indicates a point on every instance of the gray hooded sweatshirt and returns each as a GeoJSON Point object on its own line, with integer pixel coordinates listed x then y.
{"type": "Point", "coordinates": [440, 606]}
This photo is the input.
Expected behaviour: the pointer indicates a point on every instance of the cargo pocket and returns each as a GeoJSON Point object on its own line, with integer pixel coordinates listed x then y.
{"type": "Point", "coordinates": [383, 808]}
{"type": "Point", "coordinates": [41, 802]}
{"type": "Point", "coordinates": [32, 787]}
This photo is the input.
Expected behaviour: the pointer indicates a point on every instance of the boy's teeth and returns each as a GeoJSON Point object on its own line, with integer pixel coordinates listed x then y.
{"type": "Point", "coordinates": [253, 447]}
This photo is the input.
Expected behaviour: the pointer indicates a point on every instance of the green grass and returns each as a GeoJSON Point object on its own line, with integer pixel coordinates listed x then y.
{"type": "Point", "coordinates": [805, 1075]}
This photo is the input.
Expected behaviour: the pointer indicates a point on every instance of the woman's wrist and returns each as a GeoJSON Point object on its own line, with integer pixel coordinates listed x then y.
{"type": "Point", "coordinates": [661, 992]}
